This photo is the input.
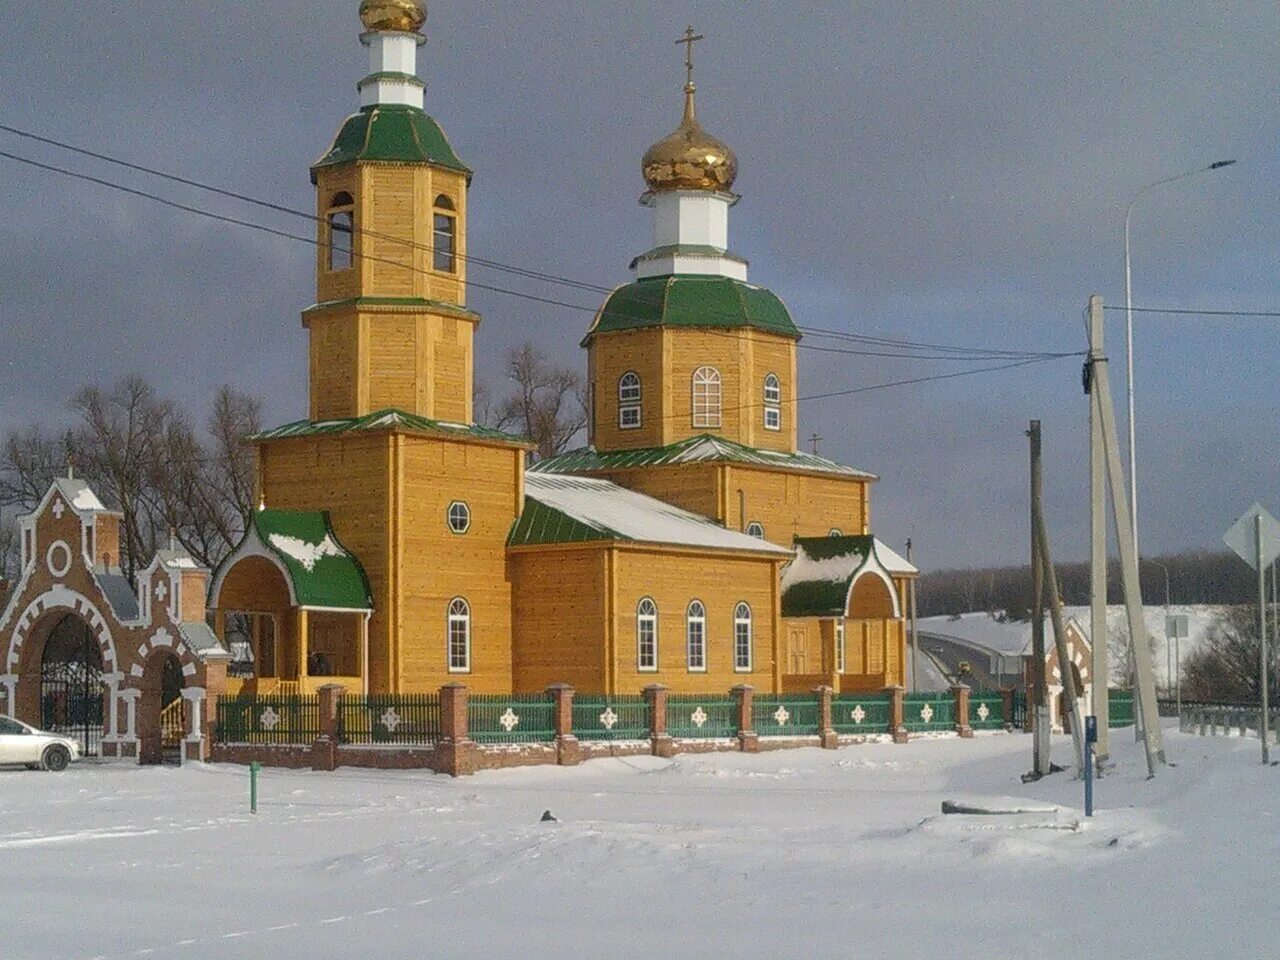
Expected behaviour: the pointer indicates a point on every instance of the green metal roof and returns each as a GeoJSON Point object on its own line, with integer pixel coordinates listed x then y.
{"type": "Point", "coordinates": [692, 301]}
{"type": "Point", "coordinates": [540, 523]}
{"type": "Point", "coordinates": [386, 420]}
{"type": "Point", "coordinates": [408, 303]}
{"type": "Point", "coordinates": [817, 582]}
{"type": "Point", "coordinates": [320, 571]}
{"type": "Point", "coordinates": [391, 133]}
{"type": "Point", "coordinates": [702, 448]}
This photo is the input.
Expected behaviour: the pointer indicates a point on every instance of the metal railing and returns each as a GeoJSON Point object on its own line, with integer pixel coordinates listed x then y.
{"type": "Point", "coordinates": [610, 718]}
{"type": "Point", "coordinates": [511, 719]}
{"type": "Point", "coordinates": [692, 716]}
{"type": "Point", "coordinates": [785, 715]}
{"type": "Point", "coordinates": [861, 713]}
{"type": "Point", "coordinates": [274, 719]}
{"type": "Point", "coordinates": [986, 711]}
{"type": "Point", "coordinates": [924, 712]}
{"type": "Point", "coordinates": [412, 718]}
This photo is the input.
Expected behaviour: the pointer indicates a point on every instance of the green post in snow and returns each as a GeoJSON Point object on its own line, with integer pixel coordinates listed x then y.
{"type": "Point", "coordinates": [254, 767]}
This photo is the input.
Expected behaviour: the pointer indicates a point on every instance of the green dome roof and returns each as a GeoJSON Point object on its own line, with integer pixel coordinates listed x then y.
{"type": "Point", "coordinates": [692, 301]}
{"type": "Point", "coordinates": [391, 133]}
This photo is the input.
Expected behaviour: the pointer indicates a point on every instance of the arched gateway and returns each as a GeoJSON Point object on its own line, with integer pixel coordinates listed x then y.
{"type": "Point", "coordinates": [84, 652]}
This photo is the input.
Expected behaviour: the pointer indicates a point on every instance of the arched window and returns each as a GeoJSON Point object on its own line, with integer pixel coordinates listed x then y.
{"type": "Point", "coordinates": [835, 532]}
{"type": "Point", "coordinates": [755, 529]}
{"type": "Point", "coordinates": [706, 397]}
{"type": "Point", "coordinates": [459, 517]}
{"type": "Point", "coordinates": [772, 403]}
{"type": "Point", "coordinates": [444, 235]}
{"type": "Point", "coordinates": [340, 220]}
{"type": "Point", "coordinates": [459, 636]}
{"type": "Point", "coordinates": [695, 630]}
{"type": "Point", "coordinates": [742, 638]}
{"type": "Point", "coordinates": [647, 635]}
{"type": "Point", "coordinates": [629, 400]}
{"type": "Point", "coordinates": [840, 645]}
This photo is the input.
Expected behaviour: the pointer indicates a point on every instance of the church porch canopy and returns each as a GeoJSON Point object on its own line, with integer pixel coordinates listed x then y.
{"type": "Point", "coordinates": [820, 581]}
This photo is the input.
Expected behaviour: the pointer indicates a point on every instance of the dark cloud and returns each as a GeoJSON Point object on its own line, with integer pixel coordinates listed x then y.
{"type": "Point", "coordinates": [948, 171]}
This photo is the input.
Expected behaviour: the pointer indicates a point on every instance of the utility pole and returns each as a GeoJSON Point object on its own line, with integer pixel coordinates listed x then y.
{"type": "Point", "coordinates": [1041, 721]}
{"type": "Point", "coordinates": [1144, 688]}
{"type": "Point", "coordinates": [1098, 636]}
{"type": "Point", "coordinates": [915, 637]}
{"type": "Point", "coordinates": [1065, 673]}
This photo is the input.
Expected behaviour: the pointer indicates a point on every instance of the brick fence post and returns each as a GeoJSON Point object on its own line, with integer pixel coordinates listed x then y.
{"type": "Point", "coordinates": [897, 710]}
{"type": "Point", "coordinates": [568, 751]}
{"type": "Point", "coordinates": [660, 741]}
{"type": "Point", "coordinates": [456, 751]}
{"type": "Point", "coordinates": [748, 739]}
{"type": "Point", "coordinates": [961, 693]}
{"type": "Point", "coordinates": [1006, 705]}
{"type": "Point", "coordinates": [826, 732]}
{"type": "Point", "coordinates": [324, 749]}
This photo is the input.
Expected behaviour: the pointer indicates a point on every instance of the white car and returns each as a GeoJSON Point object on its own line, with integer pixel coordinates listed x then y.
{"type": "Point", "coordinates": [20, 743]}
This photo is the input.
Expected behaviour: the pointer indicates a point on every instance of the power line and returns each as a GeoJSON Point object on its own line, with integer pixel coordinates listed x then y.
{"type": "Point", "coordinates": [979, 353]}
{"type": "Point", "coordinates": [1183, 311]}
{"type": "Point", "coordinates": [549, 301]}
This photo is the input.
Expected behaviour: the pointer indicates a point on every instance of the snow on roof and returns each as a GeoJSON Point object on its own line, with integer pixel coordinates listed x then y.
{"type": "Point", "coordinates": [1014, 636]}
{"type": "Point", "coordinates": [79, 495]}
{"type": "Point", "coordinates": [619, 513]}
{"type": "Point", "coordinates": [893, 561]}
{"type": "Point", "coordinates": [307, 554]}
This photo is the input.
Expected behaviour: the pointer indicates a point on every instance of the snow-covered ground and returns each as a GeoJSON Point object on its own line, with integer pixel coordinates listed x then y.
{"type": "Point", "coordinates": [803, 853]}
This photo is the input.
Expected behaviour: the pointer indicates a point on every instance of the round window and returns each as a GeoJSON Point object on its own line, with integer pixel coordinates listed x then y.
{"type": "Point", "coordinates": [459, 517]}
{"type": "Point", "coordinates": [58, 558]}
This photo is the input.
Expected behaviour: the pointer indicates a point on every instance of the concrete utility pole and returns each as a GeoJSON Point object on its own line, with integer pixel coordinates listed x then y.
{"type": "Point", "coordinates": [1098, 636]}
{"type": "Point", "coordinates": [1144, 688]}
{"type": "Point", "coordinates": [915, 637]}
{"type": "Point", "coordinates": [1041, 723]}
{"type": "Point", "coordinates": [1264, 660]}
{"type": "Point", "coordinates": [1065, 673]}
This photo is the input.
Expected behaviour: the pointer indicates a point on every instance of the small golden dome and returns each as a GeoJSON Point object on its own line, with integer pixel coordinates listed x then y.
{"type": "Point", "coordinates": [404, 16]}
{"type": "Point", "coordinates": [690, 158]}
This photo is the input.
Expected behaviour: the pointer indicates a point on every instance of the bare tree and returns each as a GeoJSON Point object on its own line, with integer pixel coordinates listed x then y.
{"type": "Point", "coordinates": [31, 459]}
{"type": "Point", "coordinates": [547, 403]}
{"type": "Point", "coordinates": [1226, 665]}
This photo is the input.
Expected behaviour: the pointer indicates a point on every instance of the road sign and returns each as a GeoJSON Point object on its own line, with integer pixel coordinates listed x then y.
{"type": "Point", "coordinates": [1243, 536]}
{"type": "Point", "coordinates": [1176, 626]}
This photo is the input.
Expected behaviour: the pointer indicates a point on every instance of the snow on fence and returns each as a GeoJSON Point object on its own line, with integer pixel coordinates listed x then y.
{"type": "Point", "coordinates": [1243, 720]}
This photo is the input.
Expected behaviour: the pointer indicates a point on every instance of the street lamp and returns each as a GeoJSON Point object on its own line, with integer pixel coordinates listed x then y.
{"type": "Point", "coordinates": [1128, 308]}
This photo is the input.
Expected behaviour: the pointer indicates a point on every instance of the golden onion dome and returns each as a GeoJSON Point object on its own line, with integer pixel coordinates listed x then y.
{"type": "Point", "coordinates": [690, 158]}
{"type": "Point", "coordinates": [403, 16]}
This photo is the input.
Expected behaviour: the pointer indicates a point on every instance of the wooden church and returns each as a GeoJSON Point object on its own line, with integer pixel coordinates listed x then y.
{"type": "Point", "coordinates": [401, 546]}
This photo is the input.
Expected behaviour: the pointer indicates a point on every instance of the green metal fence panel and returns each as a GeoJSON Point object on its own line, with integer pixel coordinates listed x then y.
{"type": "Point", "coordinates": [861, 713]}
{"type": "Point", "coordinates": [610, 718]}
{"type": "Point", "coordinates": [785, 715]}
{"type": "Point", "coordinates": [412, 718]}
{"type": "Point", "coordinates": [923, 712]}
{"type": "Point", "coordinates": [515, 719]}
{"type": "Point", "coordinates": [1120, 708]}
{"type": "Point", "coordinates": [1019, 718]}
{"type": "Point", "coordinates": [986, 711]}
{"type": "Point", "coordinates": [694, 716]}
{"type": "Point", "coordinates": [267, 719]}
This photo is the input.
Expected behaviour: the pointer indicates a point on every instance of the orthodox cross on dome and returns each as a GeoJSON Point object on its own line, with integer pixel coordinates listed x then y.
{"type": "Point", "coordinates": [689, 39]}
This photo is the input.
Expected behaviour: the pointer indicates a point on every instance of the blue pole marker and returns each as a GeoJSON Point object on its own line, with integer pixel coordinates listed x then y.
{"type": "Point", "coordinates": [1090, 738]}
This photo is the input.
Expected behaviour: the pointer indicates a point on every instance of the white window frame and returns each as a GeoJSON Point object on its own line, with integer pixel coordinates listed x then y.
{"type": "Point", "coordinates": [629, 417]}
{"type": "Point", "coordinates": [459, 617]}
{"type": "Point", "coordinates": [772, 402]}
{"type": "Point", "coordinates": [742, 623]}
{"type": "Point", "coordinates": [630, 396]}
{"type": "Point", "coordinates": [465, 514]}
{"type": "Point", "coordinates": [340, 221]}
{"type": "Point", "coordinates": [755, 529]}
{"type": "Point", "coordinates": [695, 623]}
{"type": "Point", "coordinates": [840, 655]}
{"type": "Point", "coordinates": [834, 532]}
{"type": "Point", "coordinates": [444, 224]}
{"type": "Point", "coordinates": [646, 616]}
{"type": "Point", "coordinates": [706, 398]}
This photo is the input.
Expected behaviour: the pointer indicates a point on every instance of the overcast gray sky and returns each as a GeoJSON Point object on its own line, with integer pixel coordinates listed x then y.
{"type": "Point", "coordinates": [954, 172]}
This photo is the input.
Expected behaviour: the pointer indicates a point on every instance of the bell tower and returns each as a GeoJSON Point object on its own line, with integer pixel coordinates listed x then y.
{"type": "Point", "coordinates": [390, 327]}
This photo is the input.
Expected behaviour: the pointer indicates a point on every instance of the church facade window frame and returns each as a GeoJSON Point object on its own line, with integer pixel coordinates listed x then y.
{"type": "Point", "coordinates": [706, 406]}
{"type": "Point", "coordinates": [458, 517]}
{"type": "Point", "coordinates": [458, 635]}
{"type": "Point", "coordinates": [840, 645]}
{"type": "Point", "coordinates": [743, 638]}
{"type": "Point", "coordinates": [772, 402]}
{"type": "Point", "coordinates": [755, 529]}
{"type": "Point", "coordinates": [340, 221]}
{"type": "Point", "coordinates": [630, 398]}
{"type": "Point", "coordinates": [695, 635]}
{"type": "Point", "coordinates": [444, 235]}
{"type": "Point", "coordinates": [647, 636]}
